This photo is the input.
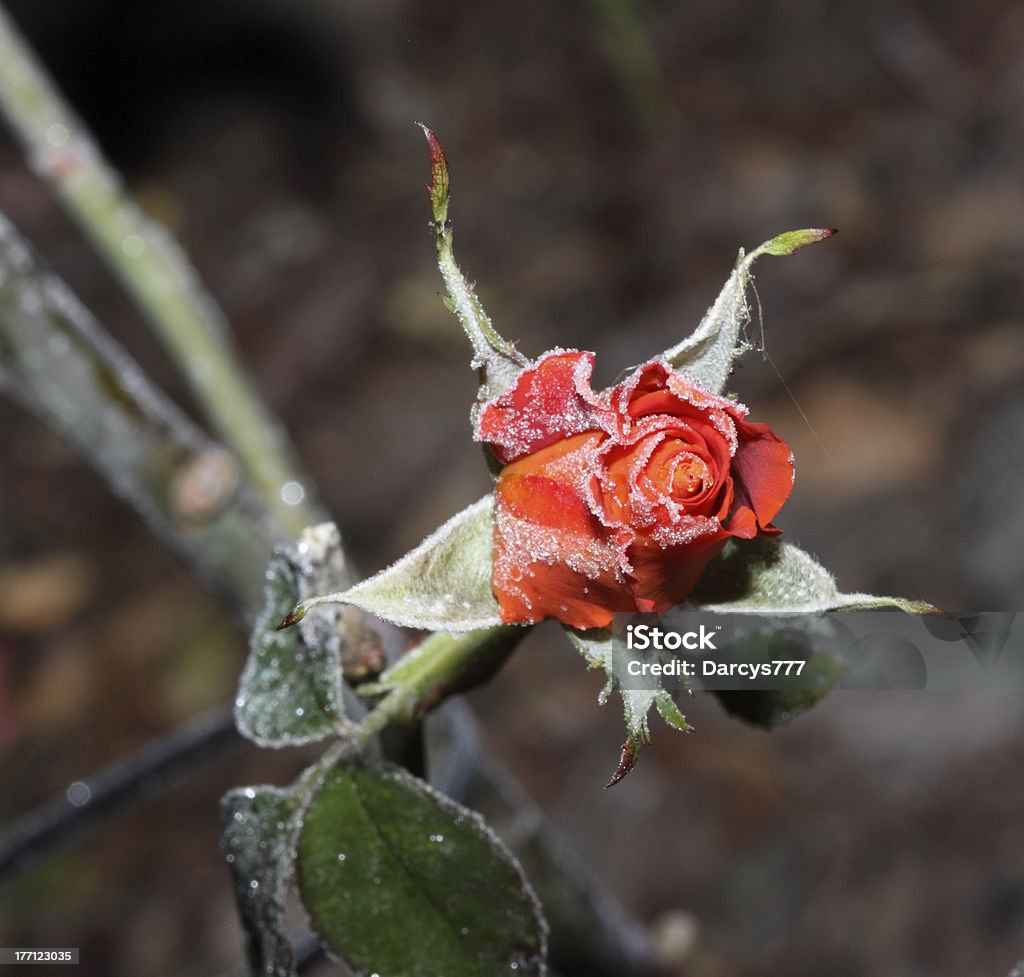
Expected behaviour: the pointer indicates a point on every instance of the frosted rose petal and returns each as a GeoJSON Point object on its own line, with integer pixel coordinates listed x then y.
{"type": "Point", "coordinates": [550, 400]}
{"type": "Point", "coordinates": [616, 501]}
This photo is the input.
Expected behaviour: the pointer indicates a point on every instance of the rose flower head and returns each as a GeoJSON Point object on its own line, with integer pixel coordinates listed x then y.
{"type": "Point", "coordinates": [616, 500]}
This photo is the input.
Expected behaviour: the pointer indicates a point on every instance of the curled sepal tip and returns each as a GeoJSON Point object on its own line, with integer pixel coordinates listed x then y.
{"type": "Point", "coordinates": [438, 187]}
{"type": "Point", "coordinates": [630, 754]}
{"type": "Point", "coordinates": [708, 353]}
{"type": "Point", "coordinates": [790, 241]}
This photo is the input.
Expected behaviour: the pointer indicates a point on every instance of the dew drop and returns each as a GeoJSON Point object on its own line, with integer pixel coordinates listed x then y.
{"type": "Point", "coordinates": [133, 245]}
{"type": "Point", "coordinates": [57, 135]}
{"type": "Point", "coordinates": [79, 794]}
{"type": "Point", "coordinates": [292, 493]}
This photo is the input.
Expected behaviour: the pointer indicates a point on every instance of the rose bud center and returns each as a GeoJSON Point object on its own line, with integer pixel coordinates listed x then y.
{"type": "Point", "coordinates": [690, 476]}
{"type": "Point", "coordinates": [680, 472]}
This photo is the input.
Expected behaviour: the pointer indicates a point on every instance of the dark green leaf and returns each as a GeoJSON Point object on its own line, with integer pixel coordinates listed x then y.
{"type": "Point", "coordinates": [260, 825]}
{"type": "Point", "coordinates": [769, 708]}
{"type": "Point", "coordinates": [403, 882]}
{"type": "Point", "coordinates": [290, 691]}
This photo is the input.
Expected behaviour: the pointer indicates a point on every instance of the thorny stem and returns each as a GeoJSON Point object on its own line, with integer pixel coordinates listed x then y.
{"type": "Point", "coordinates": [156, 273]}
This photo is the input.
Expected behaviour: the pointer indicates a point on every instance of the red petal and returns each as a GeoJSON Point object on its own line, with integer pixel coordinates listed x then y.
{"type": "Point", "coordinates": [666, 576]}
{"type": "Point", "coordinates": [743, 523]}
{"type": "Point", "coordinates": [549, 401]}
{"type": "Point", "coordinates": [762, 471]}
{"type": "Point", "coordinates": [655, 389]}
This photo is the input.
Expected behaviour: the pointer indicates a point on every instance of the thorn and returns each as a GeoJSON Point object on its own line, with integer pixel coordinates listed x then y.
{"type": "Point", "coordinates": [436, 152]}
{"type": "Point", "coordinates": [626, 763]}
{"type": "Point", "coordinates": [293, 617]}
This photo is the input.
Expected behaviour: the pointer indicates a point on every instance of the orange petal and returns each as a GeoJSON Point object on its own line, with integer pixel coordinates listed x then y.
{"type": "Point", "coordinates": [552, 556]}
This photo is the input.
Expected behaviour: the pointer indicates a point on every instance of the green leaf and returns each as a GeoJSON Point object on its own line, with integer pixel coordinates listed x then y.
{"type": "Point", "coordinates": [403, 882]}
{"type": "Point", "coordinates": [707, 354]}
{"type": "Point", "coordinates": [442, 585]}
{"type": "Point", "coordinates": [260, 827]}
{"type": "Point", "coordinates": [810, 638]}
{"type": "Point", "coordinates": [769, 708]}
{"type": "Point", "coordinates": [768, 576]}
{"type": "Point", "coordinates": [291, 688]}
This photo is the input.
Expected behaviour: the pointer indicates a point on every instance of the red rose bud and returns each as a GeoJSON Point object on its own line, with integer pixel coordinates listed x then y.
{"type": "Point", "coordinates": [617, 500]}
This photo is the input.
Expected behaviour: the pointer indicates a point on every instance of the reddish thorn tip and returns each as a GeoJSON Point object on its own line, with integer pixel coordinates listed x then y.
{"type": "Point", "coordinates": [436, 152]}
{"type": "Point", "coordinates": [288, 621]}
{"type": "Point", "coordinates": [626, 763]}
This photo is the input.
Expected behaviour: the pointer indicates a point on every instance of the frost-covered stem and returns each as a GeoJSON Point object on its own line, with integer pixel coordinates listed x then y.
{"type": "Point", "coordinates": [57, 361]}
{"type": "Point", "coordinates": [465, 304]}
{"type": "Point", "coordinates": [155, 272]}
{"type": "Point", "coordinates": [497, 358]}
{"type": "Point", "coordinates": [440, 665]}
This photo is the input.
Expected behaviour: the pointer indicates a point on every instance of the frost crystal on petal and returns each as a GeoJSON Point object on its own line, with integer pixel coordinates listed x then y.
{"type": "Point", "coordinates": [550, 400]}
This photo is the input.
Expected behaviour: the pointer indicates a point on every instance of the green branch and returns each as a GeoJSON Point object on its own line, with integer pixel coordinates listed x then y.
{"type": "Point", "coordinates": [157, 275]}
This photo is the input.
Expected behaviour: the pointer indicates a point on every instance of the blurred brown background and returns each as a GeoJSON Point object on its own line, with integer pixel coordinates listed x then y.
{"type": "Point", "coordinates": [608, 158]}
